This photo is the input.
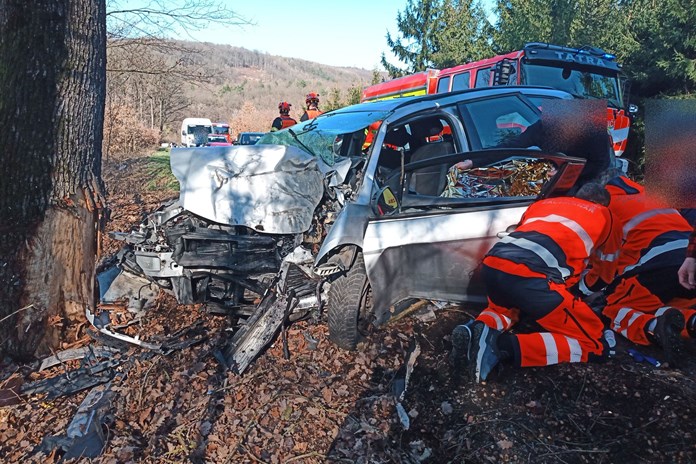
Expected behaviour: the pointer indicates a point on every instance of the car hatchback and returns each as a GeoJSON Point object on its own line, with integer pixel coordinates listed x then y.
{"type": "Point", "coordinates": [384, 201]}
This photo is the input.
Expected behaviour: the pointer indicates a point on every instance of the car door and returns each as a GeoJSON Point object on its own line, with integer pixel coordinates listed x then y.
{"type": "Point", "coordinates": [430, 246]}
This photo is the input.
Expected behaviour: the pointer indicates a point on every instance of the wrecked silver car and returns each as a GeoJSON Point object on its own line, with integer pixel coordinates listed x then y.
{"type": "Point", "coordinates": [367, 205]}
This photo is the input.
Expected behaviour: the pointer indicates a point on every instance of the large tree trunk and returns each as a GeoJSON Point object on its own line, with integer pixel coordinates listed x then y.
{"type": "Point", "coordinates": [52, 86]}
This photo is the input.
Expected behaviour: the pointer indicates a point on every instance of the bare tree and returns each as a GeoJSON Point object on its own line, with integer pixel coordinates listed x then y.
{"type": "Point", "coordinates": [146, 69]}
{"type": "Point", "coordinates": [51, 110]}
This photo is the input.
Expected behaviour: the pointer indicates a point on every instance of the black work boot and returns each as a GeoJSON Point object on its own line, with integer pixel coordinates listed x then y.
{"type": "Point", "coordinates": [461, 343]}
{"type": "Point", "coordinates": [667, 334]}
{"type": "Point", "coordinates": [483, 351]}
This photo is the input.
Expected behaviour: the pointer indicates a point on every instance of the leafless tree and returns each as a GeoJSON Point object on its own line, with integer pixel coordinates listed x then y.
{"type": "Point", "coordinates": [146, 68]}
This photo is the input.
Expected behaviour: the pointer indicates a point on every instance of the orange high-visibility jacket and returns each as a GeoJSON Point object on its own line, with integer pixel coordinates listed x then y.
{"type": "Point", "coordinates": [287, 121]}
{"type": "Point", "coordinates": [310, 114]}
{"type": "Point", "coordinates": [556, 237]}
{"type": "Point", "coordinates": [644, 228]}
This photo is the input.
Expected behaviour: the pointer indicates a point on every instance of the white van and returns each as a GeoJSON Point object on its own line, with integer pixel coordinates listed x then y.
{"type": "Point", "coordinates": [194, 132]}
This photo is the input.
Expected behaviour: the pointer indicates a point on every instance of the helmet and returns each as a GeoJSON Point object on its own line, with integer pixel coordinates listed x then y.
{"type": "Point", "coordinates": [284, 107]}
{"type": "Point", "coordinates": [312, 97]}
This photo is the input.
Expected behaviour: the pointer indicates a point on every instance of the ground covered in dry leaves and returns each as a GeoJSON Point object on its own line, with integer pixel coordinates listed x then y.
{"type": "Point", "coordinates": [328, 405]}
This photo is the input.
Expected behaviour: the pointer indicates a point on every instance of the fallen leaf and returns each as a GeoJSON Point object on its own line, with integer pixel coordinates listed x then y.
{"type": "Point", "coordinates": [504, 444]}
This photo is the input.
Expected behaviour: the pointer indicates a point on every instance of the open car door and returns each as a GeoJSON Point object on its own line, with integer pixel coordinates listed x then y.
{"type": "Point", "coordinates": [430, 246]}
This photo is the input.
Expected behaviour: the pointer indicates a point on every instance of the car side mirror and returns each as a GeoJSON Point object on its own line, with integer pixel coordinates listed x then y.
{"type": "Point", "coordinates": [386, 202]}
{"type": "Point", "coordinates": [183, 132]}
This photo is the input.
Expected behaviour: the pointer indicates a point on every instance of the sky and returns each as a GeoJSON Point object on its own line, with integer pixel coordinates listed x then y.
{"type": "Point", "coordinates": [333, 32]}
{"type": "Point", "coordinates": [337, 33]}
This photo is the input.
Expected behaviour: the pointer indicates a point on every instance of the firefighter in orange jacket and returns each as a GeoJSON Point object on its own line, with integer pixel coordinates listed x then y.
{"type": "Point", "coordinates": [284, 120]}
{"type": "Point", "coordinates": [528, 274]}
{"type": "Point", "coordinates": [644, 300]}
{"type": "Point", "coordinates": [312, 107]}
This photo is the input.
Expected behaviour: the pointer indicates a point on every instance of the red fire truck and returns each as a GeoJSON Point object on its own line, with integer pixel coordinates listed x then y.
{"type": "Point", "coordinates": [221, 128]}
{"type": "Point", "coordinates": [586, 72]}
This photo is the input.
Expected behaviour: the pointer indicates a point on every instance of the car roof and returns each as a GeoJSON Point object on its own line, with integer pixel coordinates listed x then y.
{"type": "Point", "coordinates": [452, 97]}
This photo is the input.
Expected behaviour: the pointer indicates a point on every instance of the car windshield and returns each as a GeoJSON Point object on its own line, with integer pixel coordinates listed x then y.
{"type": "Point", "coordinates": [579, 83]}
{"type": "Point", "coordinates": [221, 130]}
{"type": "Point", "coordinates": [318, 136]}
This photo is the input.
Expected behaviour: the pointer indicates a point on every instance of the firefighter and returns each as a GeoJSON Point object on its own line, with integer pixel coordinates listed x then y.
{"type": "Point", "coordinates": [313, 111]}
{"type": "Point", "coordinates": [644, 299]}
{"type": "Point", "coordinates": [284, 120]}
{"type": "Point", "coordinates": [528, 274]}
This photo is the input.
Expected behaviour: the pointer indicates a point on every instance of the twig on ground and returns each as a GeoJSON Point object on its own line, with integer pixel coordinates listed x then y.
{"type": "Point", "coordinates": [12, 314]}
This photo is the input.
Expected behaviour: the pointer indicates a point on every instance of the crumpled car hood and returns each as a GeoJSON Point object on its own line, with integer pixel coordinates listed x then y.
{"type": "Point", "coordinates": [270, 188]}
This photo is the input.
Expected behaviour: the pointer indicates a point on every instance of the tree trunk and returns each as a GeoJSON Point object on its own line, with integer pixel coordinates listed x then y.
{"type": "Point", "coordinates": [52, 89]}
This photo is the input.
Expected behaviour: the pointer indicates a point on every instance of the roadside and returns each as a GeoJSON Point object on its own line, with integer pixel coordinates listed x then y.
{"type": "Point", "coordinates": [329, 405]}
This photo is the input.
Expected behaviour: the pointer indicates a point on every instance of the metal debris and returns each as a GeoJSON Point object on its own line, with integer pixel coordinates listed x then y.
{"type": "Point", "coordinates": [85, 436]}
{"type": "Point", "coordinates": [401, 380]}
{"type": "Point", "coordinates": [99, 351]}
{"type": "Point", "coordinates": [294, 296]}
{"type": "Point", "coordinates": [102, 323]}
{"type": "Point", "coordinates": [74, 381]}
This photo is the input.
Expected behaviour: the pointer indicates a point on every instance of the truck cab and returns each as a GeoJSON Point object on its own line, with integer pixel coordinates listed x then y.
{"type": "Point", "coordinates": [195, 131]}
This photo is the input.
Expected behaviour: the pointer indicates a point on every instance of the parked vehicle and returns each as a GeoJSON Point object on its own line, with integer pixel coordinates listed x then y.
{"type": "Point", "coordinates": [381, 223]}
{"type": "Point", "coordinates": [221, 128]}
{"type": "Point", "coordinates": [585, 73]}
{"type": "Point", "coordinates": [249, 138]}
{"type": "Point", "coordinates": [218, 141]}
{"type": "Point", "coordinates": [195, 131]}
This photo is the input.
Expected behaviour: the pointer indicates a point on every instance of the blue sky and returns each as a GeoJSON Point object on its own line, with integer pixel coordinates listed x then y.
{"type": "Point", "coordinates": [337, 33]}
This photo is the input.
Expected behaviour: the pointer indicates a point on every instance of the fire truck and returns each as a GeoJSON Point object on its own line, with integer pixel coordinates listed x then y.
{"type": "Point", "coordinates": [586, 72]}
{"type": "Point", "coordinates": [221, 128]}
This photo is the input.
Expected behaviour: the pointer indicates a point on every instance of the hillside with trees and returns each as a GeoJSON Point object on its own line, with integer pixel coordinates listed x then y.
{"type": "Point", "coordinates": [154, 84]}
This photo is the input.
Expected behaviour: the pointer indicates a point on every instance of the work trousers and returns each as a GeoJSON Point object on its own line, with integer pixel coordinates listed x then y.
{"type": "Point", "coordinates": [635, 300]}
{"type": "Point", "coordinates": [574, 331]}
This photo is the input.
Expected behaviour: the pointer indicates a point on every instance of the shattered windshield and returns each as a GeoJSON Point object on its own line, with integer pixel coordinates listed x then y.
{"type": "Point", "coordinates": [579, 83]}
{"type": "Point", "coordinates": [318, 136]}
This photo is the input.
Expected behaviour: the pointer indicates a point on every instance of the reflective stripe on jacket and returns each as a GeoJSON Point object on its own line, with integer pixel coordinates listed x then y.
{"type": "Point", "coordinates": [556, 237]}
{"type": "Point", "coordinates": [645, 229]}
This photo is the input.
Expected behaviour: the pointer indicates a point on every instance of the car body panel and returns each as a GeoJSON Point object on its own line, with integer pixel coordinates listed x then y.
{"type": "Point", "coordinates": [432, 254]}
{"type": "Point", "coordinates": [269, 188]}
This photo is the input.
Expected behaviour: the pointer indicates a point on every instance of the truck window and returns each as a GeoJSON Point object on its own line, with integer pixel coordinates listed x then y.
{"type": "Point", "coordinates": [503, 122]}
{"type": "Point", "coordinates": [461, 81]}
{"type": "Point", "coordinates": [443, 85]}
{"type": "Point", "coordinates": [483, 77]}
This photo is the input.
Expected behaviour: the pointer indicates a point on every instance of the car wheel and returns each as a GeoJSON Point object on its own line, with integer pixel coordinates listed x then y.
{"type": "Point", "coordinates": [350, 306]}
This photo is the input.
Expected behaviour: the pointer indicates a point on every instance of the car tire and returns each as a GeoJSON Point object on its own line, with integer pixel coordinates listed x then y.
{"type": "Point", "coordinates": [349, 305]}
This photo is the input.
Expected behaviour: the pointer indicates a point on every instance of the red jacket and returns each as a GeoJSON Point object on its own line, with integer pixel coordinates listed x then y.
{"type": "Point", "coordinates": [642, 226]}
{"type": "Point", "coordinates": [556, 237]}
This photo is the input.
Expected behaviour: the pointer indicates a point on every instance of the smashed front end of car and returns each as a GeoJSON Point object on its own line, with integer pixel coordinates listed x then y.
{"type": "Point", "coordinates": [244, 232]}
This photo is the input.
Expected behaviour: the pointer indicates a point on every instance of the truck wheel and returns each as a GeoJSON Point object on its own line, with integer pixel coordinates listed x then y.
{"type": "Point", "coordinates": [350, 306]}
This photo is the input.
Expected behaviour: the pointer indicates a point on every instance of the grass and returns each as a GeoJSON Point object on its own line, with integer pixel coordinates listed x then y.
{"type": "Point", "coordinates": [160, 173]}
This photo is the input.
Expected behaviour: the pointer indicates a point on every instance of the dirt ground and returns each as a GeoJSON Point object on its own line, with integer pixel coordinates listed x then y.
{"type": "Point", "coordinates": [328, 405]}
